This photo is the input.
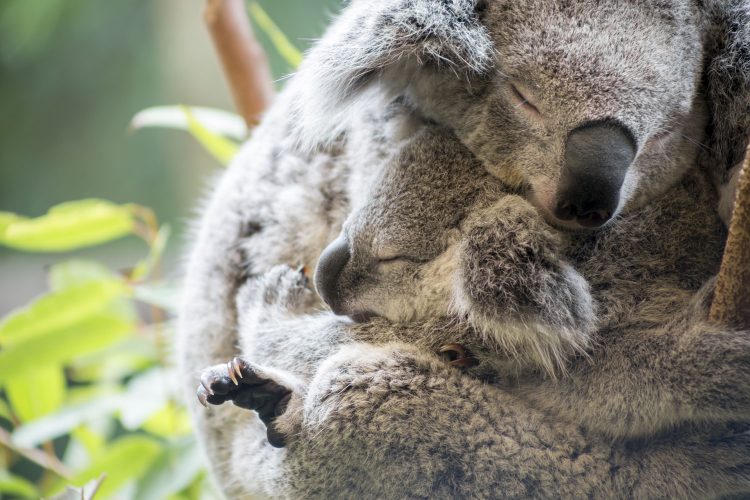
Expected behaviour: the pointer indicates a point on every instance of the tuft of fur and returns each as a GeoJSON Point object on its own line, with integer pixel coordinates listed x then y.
{"type": "Point", "coordinates": [389, 43]}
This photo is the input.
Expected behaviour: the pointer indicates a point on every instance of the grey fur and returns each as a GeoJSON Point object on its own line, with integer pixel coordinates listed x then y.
{"type": "Point", "coordinates": [369, 410]}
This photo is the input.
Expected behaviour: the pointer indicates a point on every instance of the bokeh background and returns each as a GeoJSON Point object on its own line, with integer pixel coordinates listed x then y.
{"type": "Point", "coordinates": [72, 76]}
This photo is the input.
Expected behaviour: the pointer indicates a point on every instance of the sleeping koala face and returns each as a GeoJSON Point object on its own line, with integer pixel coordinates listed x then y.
{"type": "Point", "coordinates": [589, 105]}
{"type": "Point", "coordinates": [592, 107]}
{"type": "Point", "coordinates": [395, 254]}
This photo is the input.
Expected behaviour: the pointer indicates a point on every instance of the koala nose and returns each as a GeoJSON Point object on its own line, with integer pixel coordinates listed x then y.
{"type": "Point", "coordinates": [330, 265]}
{"type": "Point", "coordinates": [597, 157]}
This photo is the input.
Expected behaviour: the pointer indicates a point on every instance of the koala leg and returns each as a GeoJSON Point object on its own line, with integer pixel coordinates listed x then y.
{"type": "Point", "coordinates": [266, 391]}
{"type": "Point", "coordinates": [515, 286]}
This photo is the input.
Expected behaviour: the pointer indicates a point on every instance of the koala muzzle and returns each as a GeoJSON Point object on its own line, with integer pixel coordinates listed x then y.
{"type": "Point", "coordinates": [328, 272]}
{"type": "Point", "coordinates": [597, 157]}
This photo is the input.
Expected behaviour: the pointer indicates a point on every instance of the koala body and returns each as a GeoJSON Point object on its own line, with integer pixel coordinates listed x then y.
{"type": "Point", "coordinates": [525, 87]}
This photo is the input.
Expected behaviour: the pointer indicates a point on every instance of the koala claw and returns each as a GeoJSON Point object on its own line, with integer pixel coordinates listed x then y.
{"type": "Point", "coordinates": [458, 356]}
{"type": "Point", "coordinates": [248, 387]}
{"type": "Point", "coordinates": [234, 371]}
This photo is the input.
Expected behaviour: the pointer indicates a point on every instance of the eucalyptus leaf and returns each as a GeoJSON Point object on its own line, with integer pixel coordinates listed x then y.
{"type": "Point", "coordinates": [36, 393]}
{"type": "Point", "coordinates": [146, 394]}
{"type": "Point", "coordinates": [66, 419]}
{"type": "Point", "coordinates": [6, 218]}
{"type": "Point", "coordinates": [70, 226]}
{"type": "Point", "coordinates": [145, 267]}
{"type": "Point", "coordinates": [59, 310]}
{"type": "Point", "coordinates": [122, 462]}
{"type": "Point", "coordinates": [281, 43]}
{"type": "Point", "coordinates": [220, 148]}
{"type": "Point", "coordinates": [16, 486]}
{"type": "Point", "coordinates": [179, 464]}
{"type": "Point", "coordinates": [62, 345]}
{"type": "Point", "coordinates": [77, 271]}
{"type": "Point", "coordinates": [218, 121]}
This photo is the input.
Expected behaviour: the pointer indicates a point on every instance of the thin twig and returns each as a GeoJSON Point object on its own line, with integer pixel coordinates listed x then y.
{"type": "Point", "coordinates": [242, 57]}
{"type": "Point", "coordinates": [48, 462]}
{"type": "Point", "coordinates": [731, 304]}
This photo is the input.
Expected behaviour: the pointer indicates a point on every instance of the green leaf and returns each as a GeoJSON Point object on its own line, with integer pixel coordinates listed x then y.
{"type": "Point", "coordinates": [90, 335]}
{"type": "Point", "coordinates": [5, 411]}
{"type": "Point", "coordinates": [16, 486]}
{"type": "Point", "coordinates": [218, 121]}
{"type": "Point", "coordinates": [146, 394]}
{"type": "Point", "coordinates": [123, 461]}
{"type": "Point", "coordinates": [70, 226]}
{"type": "Point", "coordinates": [77, 271]}
{"type": "Point", "coordinates": [66, 419]}
{"type": "Point", "coordinates": [220, 148]}
{"type": "Point", "coordinates": [131, 355]}
{"type": "Point", "coordinates": [92, 441]}
{"type": "Point", "coordinates": [37, 393]}
{"type": "Point", "coordinates": [283, 46]}
{"type": "Point", "coordinates": [6, 218]}
{"type": "Point", "coordinates": [145, 267]}
{"type": "Point", "coordinates": [59, 310]}
{"type": "Point", "coordinates": [174, 471]}
{"type": "Point", "coordinates": [170, 421]}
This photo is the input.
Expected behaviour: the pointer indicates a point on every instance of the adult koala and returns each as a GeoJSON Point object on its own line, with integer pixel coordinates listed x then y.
{"type": "Point", "coordinates": [535, 90]}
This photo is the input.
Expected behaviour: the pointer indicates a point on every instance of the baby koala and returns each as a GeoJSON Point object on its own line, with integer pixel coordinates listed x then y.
{"type": "Point", "coordinates": [439, 236]}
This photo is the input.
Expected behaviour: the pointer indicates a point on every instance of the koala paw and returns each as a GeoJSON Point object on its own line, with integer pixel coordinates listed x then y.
{"type": "Point", "coordinates": [512, 269]}
{"type": "Point", "coordinates": [282, 287]}
{"type": "Point", "coordinates": [250, 387]}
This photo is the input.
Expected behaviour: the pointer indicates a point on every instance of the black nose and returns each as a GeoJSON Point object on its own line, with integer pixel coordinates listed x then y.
{"type": "Point", "coordinates": [597, 157]}
{"type": "Point", "coordinates": [330, 265]}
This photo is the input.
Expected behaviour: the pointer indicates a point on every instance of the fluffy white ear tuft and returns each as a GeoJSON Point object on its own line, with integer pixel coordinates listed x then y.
{"type": "Point", "coordinates": [383, 44]}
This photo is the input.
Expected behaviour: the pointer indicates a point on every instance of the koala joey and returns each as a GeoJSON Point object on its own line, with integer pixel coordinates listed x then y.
{"type": "Point", "coordinates": [440, 235]}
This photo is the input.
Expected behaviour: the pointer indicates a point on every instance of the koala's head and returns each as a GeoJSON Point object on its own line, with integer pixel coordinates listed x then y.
{"type": "Point", "coordinates": [393, 257]}
{"type": "Point", "coordinates": [592, 107]}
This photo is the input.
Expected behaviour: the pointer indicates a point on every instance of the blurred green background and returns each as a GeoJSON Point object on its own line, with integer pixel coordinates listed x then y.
{"type": "Point", "coordinates": [72, 75]}
{"type": "Point", "coordinates": [86, 378]}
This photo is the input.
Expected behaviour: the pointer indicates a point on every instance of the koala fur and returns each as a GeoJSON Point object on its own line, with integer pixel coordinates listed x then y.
{"type": "Point", "coordinates": [381, 420]}
{"type": "Point", "coordinates": [654, 362]}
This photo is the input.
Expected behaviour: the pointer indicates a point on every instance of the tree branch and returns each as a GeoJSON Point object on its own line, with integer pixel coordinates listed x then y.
{"type": "Point", "coordinates": [242, 57]}
{"type": "Point", "coordinates": [731, 304]}
{"type": "Point", "coordinates": [48, 462]}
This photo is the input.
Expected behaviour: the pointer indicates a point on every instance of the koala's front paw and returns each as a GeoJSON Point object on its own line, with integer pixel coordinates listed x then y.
{"type": "Point", "coordinates": [250, 387]}
{"type": "Point", "coordinates": [512, 269]}
{"type": "Point", "coordinates": [283, 287]}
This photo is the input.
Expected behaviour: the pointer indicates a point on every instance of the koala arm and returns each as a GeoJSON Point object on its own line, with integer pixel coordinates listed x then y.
{"type": "Point", "coordinates": [643, 380]}
{"type": "Point", "coordinates": [516, 288]}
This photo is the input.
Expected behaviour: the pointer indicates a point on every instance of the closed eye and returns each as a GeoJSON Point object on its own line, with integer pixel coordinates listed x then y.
{"type": "Point", "coordinates": [401, 258]}
{"type": "Point", "coordinates": [523, 102]}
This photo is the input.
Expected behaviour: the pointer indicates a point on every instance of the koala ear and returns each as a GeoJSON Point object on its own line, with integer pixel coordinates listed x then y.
{"type": "Point", "coordinates": [388, 42]}
{"type": "Point", "coordinates": [727, 85]}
